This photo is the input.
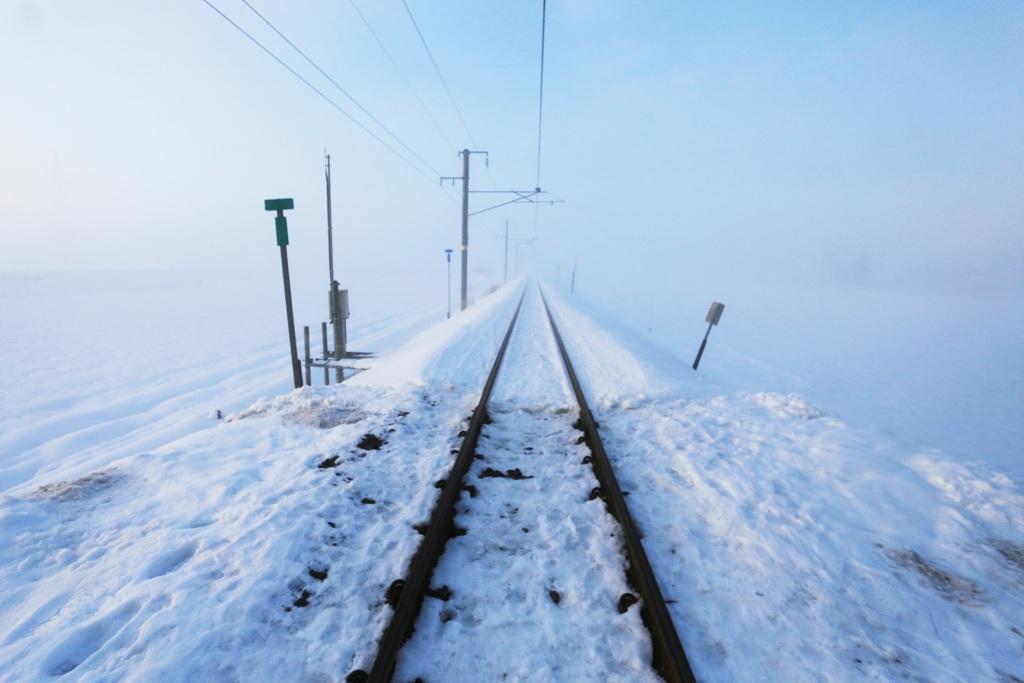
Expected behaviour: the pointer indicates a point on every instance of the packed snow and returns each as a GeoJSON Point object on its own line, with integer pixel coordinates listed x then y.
{"type": "Point", "coordinates": [145, 539]}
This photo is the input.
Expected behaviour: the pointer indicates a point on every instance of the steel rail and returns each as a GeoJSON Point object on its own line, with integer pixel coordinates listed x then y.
{"type": "Point", "coordinates": [439, 530]}
{"type": "Point", "coordinates": [669, 659]}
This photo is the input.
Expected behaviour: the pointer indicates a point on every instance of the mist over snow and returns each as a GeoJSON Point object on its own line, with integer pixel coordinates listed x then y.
{"type": "Point", "coordinates": [936, 368]}
{"type": "Point", "coordinates": [843, 475]}
{"type": "Point", "coordinates": [144, 538]}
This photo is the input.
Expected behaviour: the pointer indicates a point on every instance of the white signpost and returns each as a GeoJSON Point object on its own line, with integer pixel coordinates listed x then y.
{"type": "Point", "coordinates": [714, 315]}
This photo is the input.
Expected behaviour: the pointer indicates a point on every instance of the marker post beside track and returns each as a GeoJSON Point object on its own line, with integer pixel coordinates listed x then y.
{"type": "Point", "coordinates": [281, 223]}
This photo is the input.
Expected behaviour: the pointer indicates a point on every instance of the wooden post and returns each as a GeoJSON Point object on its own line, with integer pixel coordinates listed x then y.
{"type": "Point", "coordinates": [327, 371]}
{"type": "Point", "coordinates": [309, 360]}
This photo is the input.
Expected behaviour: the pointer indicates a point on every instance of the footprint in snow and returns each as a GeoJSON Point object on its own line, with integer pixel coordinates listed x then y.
{"type": "Point", "coordinates": [88, 640]}
{"type": "Point", "coordinates": [39, 616]}
{"type": "Point", "coordinates": [170, 561]}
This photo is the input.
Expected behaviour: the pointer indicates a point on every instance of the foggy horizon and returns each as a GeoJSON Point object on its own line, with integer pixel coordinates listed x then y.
{"type": "Point", "coordinates": [845, 145]}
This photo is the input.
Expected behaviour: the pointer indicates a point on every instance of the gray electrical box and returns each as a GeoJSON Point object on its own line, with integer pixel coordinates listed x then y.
{"type": "Point", "coordinates": [339, 306]}
{"type": "Point", "coordinates": [715, 314]}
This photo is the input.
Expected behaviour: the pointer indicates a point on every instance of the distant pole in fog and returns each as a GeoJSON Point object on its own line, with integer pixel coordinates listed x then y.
{"type": "Point", "coordinates": [448, 252]}
{"type": "Point", "coordinates": [465, 227]}
{"type": "Point", "coordinates": [572, 282]}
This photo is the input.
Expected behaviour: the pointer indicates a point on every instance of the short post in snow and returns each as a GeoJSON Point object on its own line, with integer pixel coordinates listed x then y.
{"type": "Point", "coordinates": [281, 223]}
{"type": "Point", "coordinates": [449, 253]}
{"type": "Point", "coordinates": [309, 358]}
{"type": "Point", "coordinates": [714, 315]}
{"type": "Point", "coordinates": [323, 336]}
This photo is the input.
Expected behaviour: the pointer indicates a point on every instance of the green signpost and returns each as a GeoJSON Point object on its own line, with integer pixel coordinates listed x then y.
{"type": "Point", "coordinates": [281, 223]}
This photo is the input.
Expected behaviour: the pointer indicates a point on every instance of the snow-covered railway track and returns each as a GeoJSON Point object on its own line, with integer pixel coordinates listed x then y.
{"type": "Point", "coordinates": [535, 571]}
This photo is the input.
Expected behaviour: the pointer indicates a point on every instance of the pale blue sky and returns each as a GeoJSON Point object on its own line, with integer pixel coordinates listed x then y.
{"type": "Point", "coordinates": [878, 143]}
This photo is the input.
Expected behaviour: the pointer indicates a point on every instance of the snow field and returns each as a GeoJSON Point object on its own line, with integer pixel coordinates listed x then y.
{"type": "Point", "coordinates": [259, 549]}
{"type": "Point", "coordinates": [145, 540]}
{"type": "Point", "coordinates": [793, 547]}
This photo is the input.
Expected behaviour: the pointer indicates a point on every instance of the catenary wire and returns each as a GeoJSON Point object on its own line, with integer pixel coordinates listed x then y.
{"type": "Point", "coordinates": [402, 75]}
{"type": "Point", "coordinates": [340, 89]}
{"type": "Point", "coordinates": [438, 70]}
{"type": "Point", "coordinates": [446, 88]}
{"type": "Point", "coordinates": [320, 93]}
{"type": "Point", "coordinates": [540, 111]}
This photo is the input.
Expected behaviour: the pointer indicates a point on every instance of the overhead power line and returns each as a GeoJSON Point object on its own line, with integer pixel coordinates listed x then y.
{"type": "Point", "coordinates": [340, 89]}
{"type": "Point", "coordinates": [540, 111]}
{"type": "Point", "coordinates": [438, 70]}
{"type": "Point", "coordinates": [321, 94]}
{"type": "Point", "coordinates": [402, 75]}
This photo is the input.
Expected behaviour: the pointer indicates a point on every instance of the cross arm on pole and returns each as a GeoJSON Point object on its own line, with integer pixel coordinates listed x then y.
{"type": "Point", "coordinates": [526, 196]}
{"type": "Point", "coordinates": [487, 157]}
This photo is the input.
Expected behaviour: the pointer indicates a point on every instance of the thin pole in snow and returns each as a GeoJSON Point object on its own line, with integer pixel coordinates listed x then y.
{"type": "Point", "coordinates": [281, 224]}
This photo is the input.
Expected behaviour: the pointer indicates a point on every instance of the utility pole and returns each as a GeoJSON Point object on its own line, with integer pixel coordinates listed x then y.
{"type": "Point", "coordinates": [465, 219]}
{"type": "Point", "coordinates": [337, 298]}
{"type": "Point", "coordinates": [330, 243]}
{"type": "Point", "coordinates": [448, 253]}
{"type": "Point", "coordinates": [506, 253]}
{"type": "Point", "coordinates": [519, 241]}
{"type": "Point", "coordinates": [521, 196]}
{"type": "Point", "coordinates": [465, 226]}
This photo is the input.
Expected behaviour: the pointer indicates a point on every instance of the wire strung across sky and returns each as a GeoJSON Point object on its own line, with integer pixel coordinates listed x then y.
{"type": "Point", "coordinates": [373, 118]}
{"type": "Point", "coordinates": [438, 70]}
{"type": "Point", "coordinates": [340, 89]}
{"type": "Point", "coordinates": [325, 97]}
{"type": "Point", "coordinates": [540, 111]}
{"type": "Point", "coordinates": [402, 75]}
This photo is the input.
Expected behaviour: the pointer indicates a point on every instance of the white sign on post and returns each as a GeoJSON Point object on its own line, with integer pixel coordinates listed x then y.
{"type": "Point", "coordinates": [714, 315]}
